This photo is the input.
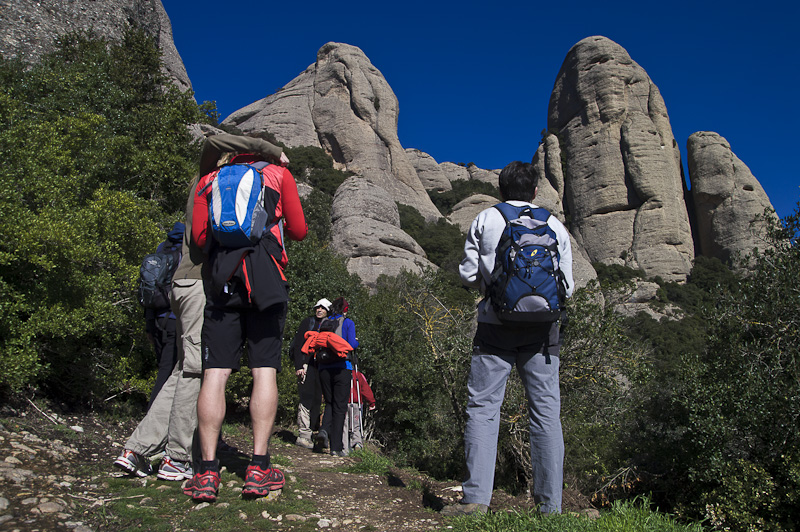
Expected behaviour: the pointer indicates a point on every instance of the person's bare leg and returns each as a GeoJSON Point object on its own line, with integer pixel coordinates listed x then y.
{"type": "Point", "coordinates": [211, 410]}
{"type": "Point", "coordinates": [263, 407]}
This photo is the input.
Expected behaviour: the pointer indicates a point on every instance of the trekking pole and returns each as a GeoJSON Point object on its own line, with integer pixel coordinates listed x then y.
{"type": "Point", "coordinates": [360, 413]}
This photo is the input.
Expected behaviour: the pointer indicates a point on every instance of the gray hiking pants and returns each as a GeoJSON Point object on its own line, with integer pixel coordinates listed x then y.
{"type": "Point", "coordinates": [170, 423]}
{"type": "Point", "coordinates": [486, 387]}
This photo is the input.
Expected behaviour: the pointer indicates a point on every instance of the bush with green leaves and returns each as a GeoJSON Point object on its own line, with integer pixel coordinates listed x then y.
{"type": "Point", "coordinates": [442, 241]}
{"type": "Point", "coordinates": [97, 159]}
{"type": "Point", "coordinates": [415, 351]}
{"type": "Point", "coordinates": [312, 164]}
{"type": "Point", "coordinates": [723, 442]}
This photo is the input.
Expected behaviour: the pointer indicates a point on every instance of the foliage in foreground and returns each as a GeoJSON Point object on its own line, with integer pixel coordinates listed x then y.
{"type": "Point", "coordinates": [97, 155]}
{"type": "Point", "coordinates": [623, 516]}
{"type": "Point", "coordinates": [717, 435]}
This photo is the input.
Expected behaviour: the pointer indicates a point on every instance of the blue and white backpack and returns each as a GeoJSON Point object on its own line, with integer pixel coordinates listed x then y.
{"type": "Point", "coordinates": [527, 283]}
{"type": "Point", "coordinates": [236, 208]}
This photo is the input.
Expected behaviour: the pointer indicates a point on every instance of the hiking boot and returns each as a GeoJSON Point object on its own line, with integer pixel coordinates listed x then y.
{"type": "Point", "coordinates": [203, 486]}
{"type": "Point", "coordinates": [133, 463]}
{"type": "Point", "coordinates": [259, 482]}
{"type": "Point", "coordinates": [340, 454]}
{"type": "Point", "coordinates": [321, 441]}
{"type": "Point", "coordinates": [304, 443]}
{"type": "Point", "coordinates": [463, 508]}
{"type": "Point", "coordinates": [174, 469]}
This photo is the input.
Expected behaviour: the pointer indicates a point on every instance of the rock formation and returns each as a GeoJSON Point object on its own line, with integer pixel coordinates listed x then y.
{"type": "Point", "coordinates": [727, 198]}
{"type": "Point", "coordinates": [430, 174]}
{"type": "Point", "coordinates": [343, 104]}
{"type": "Point", "coordinates": [485, 176]}
{"type": "Point", "coordinates": [286, 114]}
{"type": "Point", "coordinates": [623, 184]}
{"type": "Point", "coordinates": [366, 231]}
{"type": "Point", "coordinates": [467, 209]}
{"type": "Point", "coordinates": [28, 27]}
{"type": "Point", "coordinates": [454, 172]}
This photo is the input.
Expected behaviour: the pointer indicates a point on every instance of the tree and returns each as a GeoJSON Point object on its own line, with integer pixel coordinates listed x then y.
{"type": "Point", "coordinates": [729, 448]}
{"type": "Point", "coordinates": [97, 157]}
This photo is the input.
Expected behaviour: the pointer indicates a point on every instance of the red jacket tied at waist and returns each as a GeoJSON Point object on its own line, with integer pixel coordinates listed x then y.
{"type": "Point", "coordinates": [316, 340]}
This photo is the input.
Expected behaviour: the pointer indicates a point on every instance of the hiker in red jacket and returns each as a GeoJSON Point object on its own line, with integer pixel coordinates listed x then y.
{"type": "Point", "coordinates": [246, 295]}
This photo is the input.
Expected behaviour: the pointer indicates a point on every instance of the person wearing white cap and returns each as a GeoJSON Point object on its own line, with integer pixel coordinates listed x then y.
{"type": "Point", "coordinates": [308, 386]}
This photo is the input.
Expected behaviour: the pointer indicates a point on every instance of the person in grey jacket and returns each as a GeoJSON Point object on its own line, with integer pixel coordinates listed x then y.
{"type": "Point", "coordinates": [497, 348]}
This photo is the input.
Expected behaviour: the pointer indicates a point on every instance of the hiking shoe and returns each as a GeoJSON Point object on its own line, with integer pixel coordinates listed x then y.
{"type": "Point", "coordinates": [305, 443]}
{"type": "Point", "coordinates": [133, 463]}
{"type": "Point", "coordinates": [174, 469]}
{"type": "Point", "coordinates": [462, 508]}
{"type": "Point", "coordinates": [203, 486]}
{"type": "Point", "coordinates": [259, 482]}
{"type": "Point", "coordinates": [322, 441]}
{"type": "Point", "coordinates": [340, 454]}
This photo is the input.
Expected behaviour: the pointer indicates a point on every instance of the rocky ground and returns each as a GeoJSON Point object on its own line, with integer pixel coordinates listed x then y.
{"type": "Point", "coordinates": [54, 473]}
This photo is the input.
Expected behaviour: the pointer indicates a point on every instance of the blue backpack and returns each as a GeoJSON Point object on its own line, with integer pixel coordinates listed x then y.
{"type": "Point", "coordinates": [236, 208]}
{"type": "Point", "coordinates": [527, 283]}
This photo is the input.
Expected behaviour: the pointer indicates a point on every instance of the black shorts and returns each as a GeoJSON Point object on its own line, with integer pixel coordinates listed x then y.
{"type": "Point", "coordinates": [226, 331]}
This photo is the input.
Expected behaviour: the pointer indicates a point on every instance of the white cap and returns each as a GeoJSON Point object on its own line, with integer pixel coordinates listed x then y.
{"type": "Point", "coordinates": [324, 303]}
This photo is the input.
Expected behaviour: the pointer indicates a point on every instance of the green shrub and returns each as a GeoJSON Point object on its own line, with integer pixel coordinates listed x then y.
{"type": "Point", "coordinates": [317, 209]}
{"type": "Point", "coordinates": [442, 241]}
{"type": "Point", "coordinates": [312, 164]}
{"type": "Point", "coordinates": [101, 157]}
{"type": "Point", "coordinates": [611, 274]}
{"type": "Point", "coordinates": [723, 440]}
{"type": "Point", "coordinates": [415, 350]}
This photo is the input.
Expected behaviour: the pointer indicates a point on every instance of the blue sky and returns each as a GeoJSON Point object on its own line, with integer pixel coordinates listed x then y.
{"type": "Point", "coordinates": [473, 79]}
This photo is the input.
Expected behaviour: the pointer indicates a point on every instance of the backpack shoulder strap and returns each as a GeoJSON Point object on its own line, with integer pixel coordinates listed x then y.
{"type": "Point", "coordinates": [508, 211]}
{"type": "Point", "coordinates": [512, 212]}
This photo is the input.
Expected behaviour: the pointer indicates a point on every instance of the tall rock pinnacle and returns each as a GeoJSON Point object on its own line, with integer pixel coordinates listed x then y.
{"type": "Point", "coordinates": [623, 184]}
{"type": "Point", "coordinates": [345, 105]}
{"type": "Point", "coordinates": [727, 198]}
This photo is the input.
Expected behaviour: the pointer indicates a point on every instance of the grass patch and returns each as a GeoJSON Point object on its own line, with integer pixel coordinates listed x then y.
{"type": "Point", "coordinates": [627, 516]}
{"type": "Point", "coordinates": [150, 504]}
{"type": "Point", "coordinates": [369, 462]}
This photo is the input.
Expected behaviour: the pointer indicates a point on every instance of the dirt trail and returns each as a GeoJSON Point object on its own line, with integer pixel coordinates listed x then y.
{"type": "Point", "coordinates": [53, 474]}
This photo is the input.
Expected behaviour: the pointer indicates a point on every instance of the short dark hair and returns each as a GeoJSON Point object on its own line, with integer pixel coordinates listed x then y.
{"type": "Point", "coordinates": [518, 181]}
{"type": "Point", "coordinates": [340, 306]}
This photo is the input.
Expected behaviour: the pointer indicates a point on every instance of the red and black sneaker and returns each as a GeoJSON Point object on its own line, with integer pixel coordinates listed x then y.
{"type": "Point", "coordinates": [259, 482]}
{"type": "Point", "coordinates": [203, 486]}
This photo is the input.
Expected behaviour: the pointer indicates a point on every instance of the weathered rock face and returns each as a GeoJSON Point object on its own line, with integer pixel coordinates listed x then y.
{"type": "Point", "coordinates": [485, 176]}
{"type": "Point", "coordinates": [28, 27]}
{"type": "Point", "coordinates": [465, 211]}
{"type": "Point", "coordinates": [623, 184]}
{"type": "Point", "coordinates": [430, 173]}
{"type": "Point", "coordinates": [454, 172]}
{"type": "Point", "coordinates": [547, 165]}
{"type": "Point", "coordinates": [366, 231]}
{"type": "Point", "coordinates": [343, 104]}
{"type": "Point", "coordinates": [286, 114]}
{"type": "Point", "coordinates": [727, 198]}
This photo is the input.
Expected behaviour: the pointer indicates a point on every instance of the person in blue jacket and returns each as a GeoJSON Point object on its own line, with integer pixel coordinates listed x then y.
{"type": "Point", "coordinates": [335, 381]}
